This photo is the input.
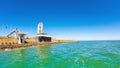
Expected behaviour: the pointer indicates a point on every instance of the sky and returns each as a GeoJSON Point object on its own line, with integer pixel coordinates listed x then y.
{"type": "Point", "coordinates": [63, 19]}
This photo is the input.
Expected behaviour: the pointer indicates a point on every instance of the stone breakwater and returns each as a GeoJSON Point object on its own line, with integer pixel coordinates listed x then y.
{"type": "Point", "coordinates": [12, 46]}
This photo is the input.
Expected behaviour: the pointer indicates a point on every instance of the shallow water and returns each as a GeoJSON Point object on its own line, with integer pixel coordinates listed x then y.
{"type": "Point", "coordinates": [83, 54]}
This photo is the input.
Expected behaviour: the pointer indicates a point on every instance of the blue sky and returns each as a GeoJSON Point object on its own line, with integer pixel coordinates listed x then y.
{"type": "Point", "coordinates": [63, 19]}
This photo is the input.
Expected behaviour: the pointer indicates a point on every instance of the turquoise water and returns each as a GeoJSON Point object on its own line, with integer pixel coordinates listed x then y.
{"type": "Point", "coordinates": [83, 54]}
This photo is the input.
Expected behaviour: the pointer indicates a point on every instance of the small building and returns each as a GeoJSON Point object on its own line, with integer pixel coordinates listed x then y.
{"type": "Point", "coordinates": [21, 38]}
{"type": "Point", "coordinates": [42, 37]}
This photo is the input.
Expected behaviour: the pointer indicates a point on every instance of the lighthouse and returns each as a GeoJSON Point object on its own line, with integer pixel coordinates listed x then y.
{"type": "Point", "coordinates": [42, 37]}
{"type": "Point", "coordinates": [40, 28]}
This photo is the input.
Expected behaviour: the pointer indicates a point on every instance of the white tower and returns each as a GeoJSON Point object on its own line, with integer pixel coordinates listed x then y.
{"type": "Point", "coordinates": [40, 28]}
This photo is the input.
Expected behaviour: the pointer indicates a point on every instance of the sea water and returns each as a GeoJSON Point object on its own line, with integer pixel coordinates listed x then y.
{"type": "Point", "coordinates": [83, 54]}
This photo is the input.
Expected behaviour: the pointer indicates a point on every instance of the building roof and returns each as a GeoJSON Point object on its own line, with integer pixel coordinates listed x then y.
{"type": "Point", "coordinates": [21, 34]}
{"type": "Point", "coordinates": [44, 35]}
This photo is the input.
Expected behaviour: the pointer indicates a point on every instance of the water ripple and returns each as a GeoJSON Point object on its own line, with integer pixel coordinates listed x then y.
{"type": "Point", "coordinates": [83, 54]}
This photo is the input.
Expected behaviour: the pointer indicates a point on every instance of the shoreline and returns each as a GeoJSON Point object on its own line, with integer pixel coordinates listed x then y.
{"type": "Point", "coordinates": [13, 46]}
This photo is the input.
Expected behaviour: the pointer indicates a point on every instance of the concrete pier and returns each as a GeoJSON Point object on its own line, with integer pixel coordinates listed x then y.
{"type": "Point", "coordinates": [32, 43]}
